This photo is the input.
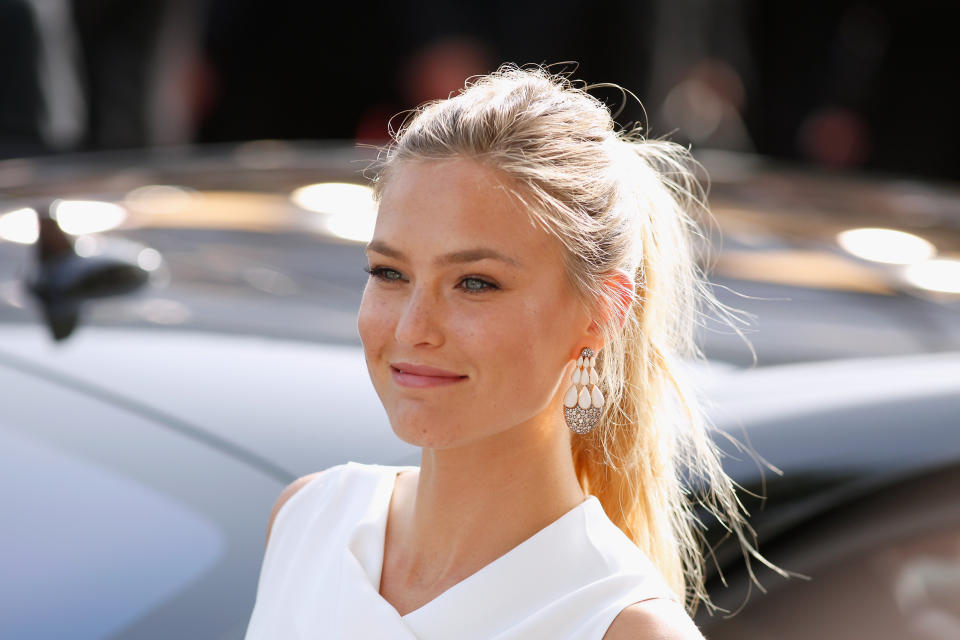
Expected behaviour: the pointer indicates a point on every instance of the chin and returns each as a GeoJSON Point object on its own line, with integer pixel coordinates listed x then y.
{"type": "Point", "coordinates": [430, 429]}
{"type": "Point", "coordinates": [424, 437]}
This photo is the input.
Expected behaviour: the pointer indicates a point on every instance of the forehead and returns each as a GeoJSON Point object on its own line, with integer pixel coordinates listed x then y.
{"type": "Point", "coordinates": [445, 204]}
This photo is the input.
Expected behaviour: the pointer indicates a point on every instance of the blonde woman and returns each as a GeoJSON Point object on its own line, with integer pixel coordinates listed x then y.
{"type": "Point", "coordinates": [533, 281]}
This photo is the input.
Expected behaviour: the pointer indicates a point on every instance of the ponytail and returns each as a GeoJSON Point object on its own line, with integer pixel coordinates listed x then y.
{"type": "Point", "coordinates": [618, 203]}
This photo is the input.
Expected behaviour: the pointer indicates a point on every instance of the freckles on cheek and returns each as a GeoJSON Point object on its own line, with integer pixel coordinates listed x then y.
{"type": "Point", "coordinates": [491, 332]}
{"type": "Point", "coordinates": [372, 321]}
{"type": "Point", "coordinates": [544, 325]}
{"type": "Point", "coordinates": [515, 335]}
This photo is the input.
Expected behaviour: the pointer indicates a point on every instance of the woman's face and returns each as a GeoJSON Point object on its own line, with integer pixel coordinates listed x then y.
{"type": "Point", "coordinates": [462, 282]}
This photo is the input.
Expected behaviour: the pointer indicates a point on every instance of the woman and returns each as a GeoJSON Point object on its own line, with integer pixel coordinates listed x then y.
{"type": "Point", "coordinates": [532, 283]}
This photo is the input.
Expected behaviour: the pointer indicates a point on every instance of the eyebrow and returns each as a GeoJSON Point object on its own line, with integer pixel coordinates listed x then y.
{"type": "Point", "coordinates": [454, 257]}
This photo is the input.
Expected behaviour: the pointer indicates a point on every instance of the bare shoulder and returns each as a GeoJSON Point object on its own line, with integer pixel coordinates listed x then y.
{"type": "Point", "coordinates": [655, 619]}
{"type": "Point", "coordinates": [286, 494]}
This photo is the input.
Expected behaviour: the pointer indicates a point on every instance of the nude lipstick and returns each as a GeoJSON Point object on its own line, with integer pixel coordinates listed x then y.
{"type": "Point", "coordinates": [421, 376]}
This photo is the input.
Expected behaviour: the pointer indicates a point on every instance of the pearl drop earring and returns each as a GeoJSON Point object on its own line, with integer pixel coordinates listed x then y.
{"type": "Point", "coordinates": [581, 407]}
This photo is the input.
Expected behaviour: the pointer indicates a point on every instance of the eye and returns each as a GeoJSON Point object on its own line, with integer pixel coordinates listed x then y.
{"type": "Point", "coordinates": [384, 273]}
{"type": "Point", "coordinates": [475, 285]}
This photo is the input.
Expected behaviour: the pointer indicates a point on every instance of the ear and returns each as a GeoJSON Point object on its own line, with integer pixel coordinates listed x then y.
{"type": "Point", "coordinates": [624, 292]}
{"type": "Point", "coordinates": [621, 291]}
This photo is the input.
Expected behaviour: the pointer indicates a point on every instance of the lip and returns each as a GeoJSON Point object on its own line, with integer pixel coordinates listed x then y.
{"type": "Point", "coordinates": [420, 376]}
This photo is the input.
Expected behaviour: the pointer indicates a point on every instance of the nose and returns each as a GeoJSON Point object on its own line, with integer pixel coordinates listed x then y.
{"type": "Point", "coordinates": [420, 320]}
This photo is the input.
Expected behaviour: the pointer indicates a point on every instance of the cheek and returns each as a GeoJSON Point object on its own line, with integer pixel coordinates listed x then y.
{"type": "Point", "coordinates": [373, 321]}
{"type": "Point", "coordinates": [523, 348]}
{"type": "Point", "coordinates": [555, 330]}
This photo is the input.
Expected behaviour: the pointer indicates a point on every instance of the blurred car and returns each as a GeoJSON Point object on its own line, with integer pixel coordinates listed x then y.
{"type": "Point", "coordinates": [178, 342]}
{"type": "Point", "coordinates": [864, 504]}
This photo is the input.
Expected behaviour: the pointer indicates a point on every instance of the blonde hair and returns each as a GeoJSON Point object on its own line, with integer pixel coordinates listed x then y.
{"type": "Point", "coordinates": [616, 201]}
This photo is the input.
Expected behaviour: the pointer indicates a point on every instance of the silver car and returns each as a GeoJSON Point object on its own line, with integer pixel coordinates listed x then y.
{"type": "Point", "coordinates": [178, 342]}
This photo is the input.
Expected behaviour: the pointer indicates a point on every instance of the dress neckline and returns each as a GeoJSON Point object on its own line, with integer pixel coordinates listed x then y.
{"type": "Point", "coordinates": [374, 524]}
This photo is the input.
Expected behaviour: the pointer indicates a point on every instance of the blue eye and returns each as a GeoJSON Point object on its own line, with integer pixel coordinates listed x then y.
{"type": "Point", "coordinates": [476, 284]}
{"type": "Point", "coordinates": [384, 273]}
{"type": "Point", "coordinates": [469, 284]}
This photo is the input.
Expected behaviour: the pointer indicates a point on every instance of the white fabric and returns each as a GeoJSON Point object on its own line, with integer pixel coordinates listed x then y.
{"type": "Point", "coordinates": [321, 573]}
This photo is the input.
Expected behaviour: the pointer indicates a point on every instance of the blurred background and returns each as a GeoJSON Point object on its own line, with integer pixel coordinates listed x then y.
{"type": "Point", "coordinates": [841, 84]}
{"type": "Point", "coordinates": [183, 210]}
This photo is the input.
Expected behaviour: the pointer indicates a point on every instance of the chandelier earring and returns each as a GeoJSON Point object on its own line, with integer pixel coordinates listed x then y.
{"type": "Point", "coordinates": [583, 401]}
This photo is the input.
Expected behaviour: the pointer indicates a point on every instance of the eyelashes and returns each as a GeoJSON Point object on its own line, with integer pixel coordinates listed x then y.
{"type": "Point", "coordinates": [470, 284]}
{"type": "Point", "coordinates": [381, 273]}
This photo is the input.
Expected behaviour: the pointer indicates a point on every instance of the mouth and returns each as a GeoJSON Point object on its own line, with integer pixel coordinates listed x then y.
{"type": "Point", "coordinates": [421, 376]}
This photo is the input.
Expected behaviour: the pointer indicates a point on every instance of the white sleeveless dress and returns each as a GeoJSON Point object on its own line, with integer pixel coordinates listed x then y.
{"type": "Point", "coordinates": [321, 573]}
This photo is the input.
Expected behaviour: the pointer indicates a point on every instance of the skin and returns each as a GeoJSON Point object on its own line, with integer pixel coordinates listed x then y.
{"type": "Point", "coordinates": [495, 464]}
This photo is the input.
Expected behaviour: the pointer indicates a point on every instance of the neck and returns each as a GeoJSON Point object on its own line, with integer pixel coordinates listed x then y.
{"type": "Point", "coordinates": [474, 503]}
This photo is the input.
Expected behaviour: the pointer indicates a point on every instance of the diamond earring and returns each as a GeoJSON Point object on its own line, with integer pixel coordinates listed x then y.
{"type": "Point", "coordinates": [581, 407]}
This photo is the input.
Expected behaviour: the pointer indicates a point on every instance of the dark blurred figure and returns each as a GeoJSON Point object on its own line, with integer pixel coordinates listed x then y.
{"type": "Point", "coordinates": [87, 74]}
{"type": "Point", "coordinates": [436, 71]}
{"type": "Point", "coordinates": [293, 69]}
{"type": "Point", "coordinates": [848, 84]}
{"type": "Point", "coordinates": [845, 84]}
{"type": "Point", "coordinates": [857, 84]}
{"type": "Point", "coordinates": [117, 41]}
{"type": "Point", "coordinates": [702, 73]}
{"type": "Point", "coordinates": [20, 99]}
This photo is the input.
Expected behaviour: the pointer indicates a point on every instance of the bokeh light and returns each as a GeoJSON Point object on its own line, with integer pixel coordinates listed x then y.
{"type": "Point", "coordinates": [77, 217]}
{"type": "Point", "coordinates": [942, 274]}
{"type": "Point", "coordinates": [349, 209]}
{"type": "Point", "coordinates": [886, 245]}
{"type": "Point", "coordinates": [20, 225]}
